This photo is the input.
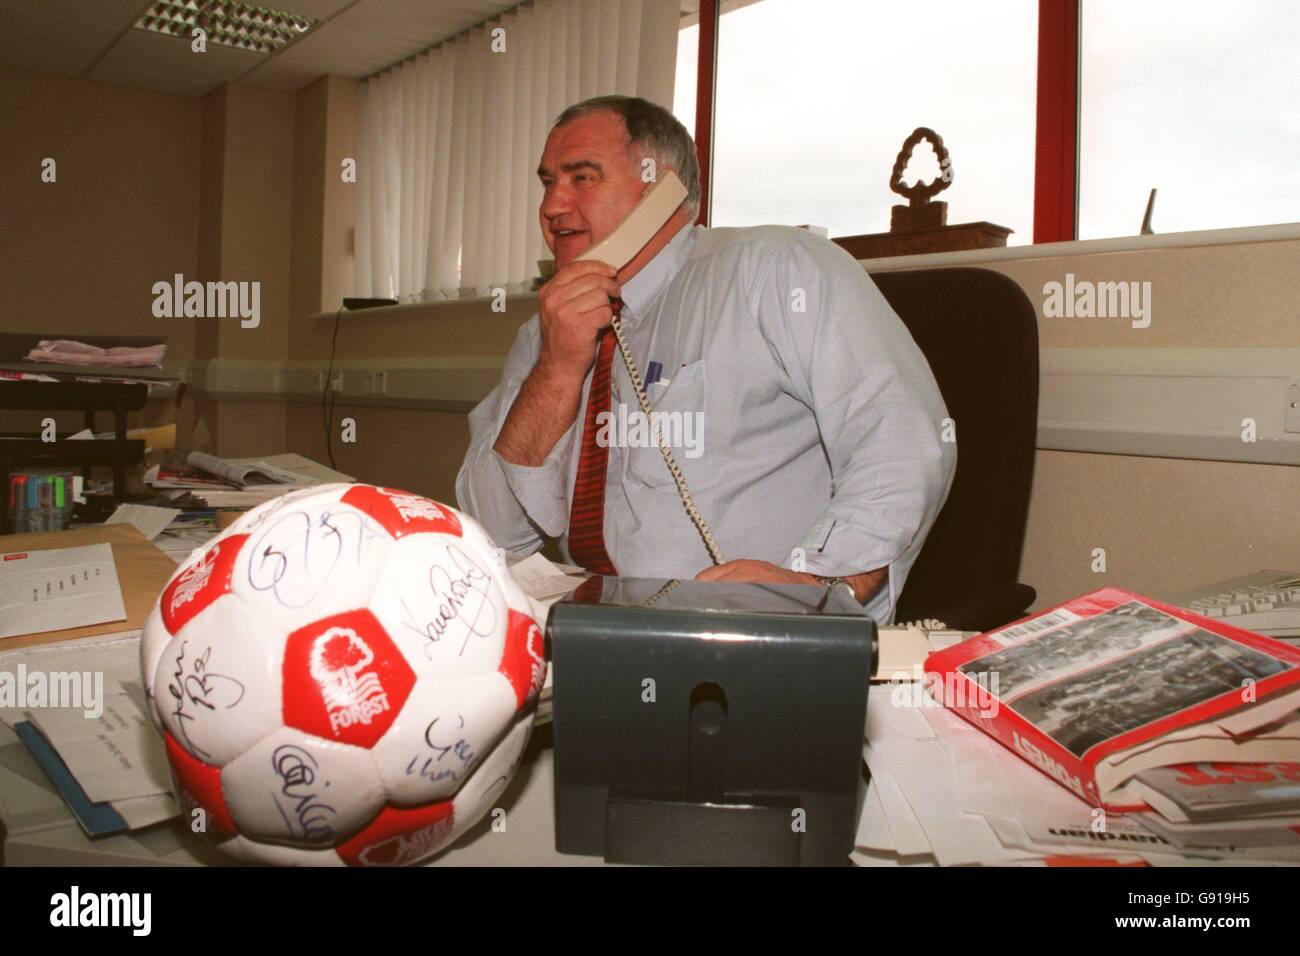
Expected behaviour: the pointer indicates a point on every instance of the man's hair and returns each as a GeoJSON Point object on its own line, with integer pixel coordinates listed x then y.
{"type": "Point", "coordinates": [652, 131]}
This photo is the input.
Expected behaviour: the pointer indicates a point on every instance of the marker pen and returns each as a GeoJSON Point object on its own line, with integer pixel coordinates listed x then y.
{"type": "Point", "coordinates": [47, 502]}
{"type": "Point", "coordinates": [18, 504]}
{"type": "Point", "coordinates": [33, 503]}
{"type": "Point", "coordinates": [60, 496]}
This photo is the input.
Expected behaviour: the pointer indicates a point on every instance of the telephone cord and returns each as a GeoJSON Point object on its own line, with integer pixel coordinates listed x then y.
{"type": "Point", "coordinates": [711, 543]}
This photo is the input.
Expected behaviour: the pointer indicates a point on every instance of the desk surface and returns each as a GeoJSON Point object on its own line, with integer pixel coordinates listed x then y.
{"type": "Point", "coordinates": [42, 832]}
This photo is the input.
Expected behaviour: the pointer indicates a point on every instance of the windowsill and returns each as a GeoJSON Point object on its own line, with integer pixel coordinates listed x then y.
{"type": "Point", "coordinates": [411, 308]}
{"type": "Point", "coordinates": [1170, 240]}
{"type": "Point", "coordinates": [1083, 247]}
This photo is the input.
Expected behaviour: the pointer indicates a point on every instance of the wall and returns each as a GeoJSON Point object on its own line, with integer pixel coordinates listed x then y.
{"type": "Point", "coordinates": [83, 253]}
{"type": "Point", "coordinates": [247, 189]}
{"type": "Point", "coordinates": [1165, 523]}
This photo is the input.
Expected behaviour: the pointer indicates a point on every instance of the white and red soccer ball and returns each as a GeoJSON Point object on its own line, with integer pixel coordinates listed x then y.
{"type": "Point", "coordinates": [346, 675]}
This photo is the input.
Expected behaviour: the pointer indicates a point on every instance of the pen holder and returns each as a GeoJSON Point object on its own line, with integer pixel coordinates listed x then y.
{"type": "Point", "coordinates": [40, 499]}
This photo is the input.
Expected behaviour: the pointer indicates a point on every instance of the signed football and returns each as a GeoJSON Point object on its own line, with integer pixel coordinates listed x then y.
{"type": "Point", "coordinates": [346, 675]}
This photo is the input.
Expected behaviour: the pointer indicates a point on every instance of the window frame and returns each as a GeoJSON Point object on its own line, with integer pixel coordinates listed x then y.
{"type": "Point", "coordinates": [1056, 127]}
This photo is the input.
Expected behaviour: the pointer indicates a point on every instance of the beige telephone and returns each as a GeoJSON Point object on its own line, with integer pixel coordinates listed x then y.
{"type": "Point", "coordinates": [618, 249]}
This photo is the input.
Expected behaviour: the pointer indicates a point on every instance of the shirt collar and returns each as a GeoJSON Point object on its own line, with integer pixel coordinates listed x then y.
{"type": "Point", "coordinates": [640, 292]}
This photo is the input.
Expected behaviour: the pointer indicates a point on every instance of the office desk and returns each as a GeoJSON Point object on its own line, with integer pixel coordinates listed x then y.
{"type": "Point", "coordinates": [42, 832]}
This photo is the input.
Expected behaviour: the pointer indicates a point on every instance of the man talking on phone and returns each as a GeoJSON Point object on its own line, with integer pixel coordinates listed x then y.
{"type": "Point", "coordinates": [804, 419]}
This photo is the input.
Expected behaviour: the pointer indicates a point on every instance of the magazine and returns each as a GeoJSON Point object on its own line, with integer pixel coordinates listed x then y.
{"type": "Point", "coordinates": [203, 471]}
{"type": "Point", "coordinates": [1207, 792]}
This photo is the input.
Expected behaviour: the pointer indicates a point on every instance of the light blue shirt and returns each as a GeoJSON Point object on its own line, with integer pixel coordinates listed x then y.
{"type": "Point", "coordinates": [810, 429]}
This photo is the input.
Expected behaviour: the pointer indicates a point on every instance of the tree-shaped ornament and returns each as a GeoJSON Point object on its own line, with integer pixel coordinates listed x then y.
{"type": "Point", "coordinates": [920, 213]}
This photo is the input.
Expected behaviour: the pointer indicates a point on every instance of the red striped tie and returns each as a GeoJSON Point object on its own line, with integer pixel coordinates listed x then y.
{"type": "Point", "coordinates": [587, 519]}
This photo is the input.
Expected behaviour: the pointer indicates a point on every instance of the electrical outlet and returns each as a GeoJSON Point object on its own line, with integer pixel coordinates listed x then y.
{"type": "Point", "coordinates": [378, 383]}
{"type": "Point", "coordinates": [1291, 415]}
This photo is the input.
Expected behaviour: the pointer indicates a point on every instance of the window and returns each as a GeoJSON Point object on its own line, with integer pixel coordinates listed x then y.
{"type": "Point", "coordinates": [815, 97]}
{"type": "Point", "coordinates": [1195, 98]}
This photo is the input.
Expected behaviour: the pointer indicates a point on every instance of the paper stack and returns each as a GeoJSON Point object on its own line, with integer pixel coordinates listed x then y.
{"type": "Point", "coordinates": [238, 482]}
{"type": "Point", "coordinates": [942, 792]}
{"type": "Point", "coordinates": [99, 751]}
{"type": "Point", "coordinates": [1219, 808]}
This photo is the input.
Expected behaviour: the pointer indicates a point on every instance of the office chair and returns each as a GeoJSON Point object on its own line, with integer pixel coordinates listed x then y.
{"type": "Point", "coordinates": [979, 333]}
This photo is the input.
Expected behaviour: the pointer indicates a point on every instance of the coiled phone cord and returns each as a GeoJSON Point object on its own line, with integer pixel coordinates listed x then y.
{"type": "Point", "coordinates": [710, 542]}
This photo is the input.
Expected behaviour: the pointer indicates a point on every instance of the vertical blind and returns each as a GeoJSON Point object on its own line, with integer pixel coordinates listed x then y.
{"type": "Point", "coordinates": [449, 141]}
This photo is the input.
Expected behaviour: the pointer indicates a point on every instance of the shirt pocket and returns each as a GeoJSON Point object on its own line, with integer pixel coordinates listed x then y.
{"type": "Point", "coordinates": [679, 410]}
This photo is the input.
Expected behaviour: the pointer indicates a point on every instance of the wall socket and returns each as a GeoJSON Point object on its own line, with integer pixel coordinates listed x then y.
{"type": "Point", "coordinates": [378, 383]}
{"type": "Point", "coordinates": [1291, 415]}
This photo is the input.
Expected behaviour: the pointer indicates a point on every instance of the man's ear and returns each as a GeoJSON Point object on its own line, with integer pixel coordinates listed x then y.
{"type": "Point", "coordinates": [649, 170]}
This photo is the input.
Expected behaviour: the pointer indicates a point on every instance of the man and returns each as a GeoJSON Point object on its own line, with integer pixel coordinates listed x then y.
{"type": "Point", "coordinates": [818, 454]}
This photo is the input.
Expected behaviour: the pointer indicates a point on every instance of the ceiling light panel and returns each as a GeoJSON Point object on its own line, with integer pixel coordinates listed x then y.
{"type": "Point", "coordinates": [240, 25]}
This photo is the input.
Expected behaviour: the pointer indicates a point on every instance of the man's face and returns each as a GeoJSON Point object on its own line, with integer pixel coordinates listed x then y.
{"type": "Point", "coordinates": [590, 183]}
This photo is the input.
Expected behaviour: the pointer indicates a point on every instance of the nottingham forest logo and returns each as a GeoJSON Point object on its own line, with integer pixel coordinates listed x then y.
{"type": "Point", "coordinates": [352, 694]}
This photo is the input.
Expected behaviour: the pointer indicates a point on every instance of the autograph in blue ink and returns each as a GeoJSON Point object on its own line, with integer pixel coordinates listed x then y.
{"type": "Point", "coordinates": [453, 745]}
{"type": "Point", "coordinates": [295, 557]}
{"type": "Point", "coordinates": [296, 769]}
{"type": "Point", "coordinates": [196, 689]}
{"type": "Point", "coordinates": [460, 597]}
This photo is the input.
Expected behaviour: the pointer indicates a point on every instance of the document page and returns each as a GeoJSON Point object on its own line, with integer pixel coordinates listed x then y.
{"type": "Point", "coordinates": [57, 589]}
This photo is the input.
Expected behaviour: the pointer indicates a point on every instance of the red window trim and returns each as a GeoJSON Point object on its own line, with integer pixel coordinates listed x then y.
{"type": "Point", "coordinates": [1056, 155]}
{"type": "Point", "coordinates": [1056, 137]}
{"type": "Point", "coordinates": [706, 73]}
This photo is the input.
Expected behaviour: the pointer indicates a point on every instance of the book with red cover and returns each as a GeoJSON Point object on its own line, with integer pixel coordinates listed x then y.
{"type": "Point", "coordinates": [1103, 687]}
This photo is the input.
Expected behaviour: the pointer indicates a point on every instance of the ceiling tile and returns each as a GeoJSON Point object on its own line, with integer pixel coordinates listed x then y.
{"type": "Point", "coordinates": [422, 22]}
{"type": "Point", "coordinates": [275, 74]}
{"type": "Point", "coordinates": [334, 48]}
{"type": "Point", "coordinates": [38, 61]}
{"type": "Point", "coordinates": [113, 13]}
{"type": "Point", "coordinates": [317, 9]}
{"type": "Point", "coordinates": [70, 44]}
{"type": "Point", "coordinates": [172, 56]}
{"type": "Point", "coordinates": [364, 37]}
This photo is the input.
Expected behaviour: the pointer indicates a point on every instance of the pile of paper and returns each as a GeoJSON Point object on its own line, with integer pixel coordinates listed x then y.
{"type": "Point", "coordinates": [1214, 807]}
{"type": "Point", "coordinates": [99, 750]}
{"type": "Point", "coordinates": [238, 482]}
{"type": "Point", "coordinates": [943, 792]}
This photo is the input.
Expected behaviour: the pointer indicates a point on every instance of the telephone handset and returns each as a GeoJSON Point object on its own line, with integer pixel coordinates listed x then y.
{"type": "Point", "coordinates": [656, 206]}
{"type": "Point", "coordinates": [618, 249]}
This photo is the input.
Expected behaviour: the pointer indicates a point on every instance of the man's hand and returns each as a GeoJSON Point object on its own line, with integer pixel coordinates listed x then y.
{"type": "Point", "coordinates": [864, 585]}
{"type": "Point", "coordinates": [575, 306]}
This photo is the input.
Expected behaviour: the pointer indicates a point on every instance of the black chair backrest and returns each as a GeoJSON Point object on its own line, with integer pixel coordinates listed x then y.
{"type": "Point", "coordinates": [979, 332]}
